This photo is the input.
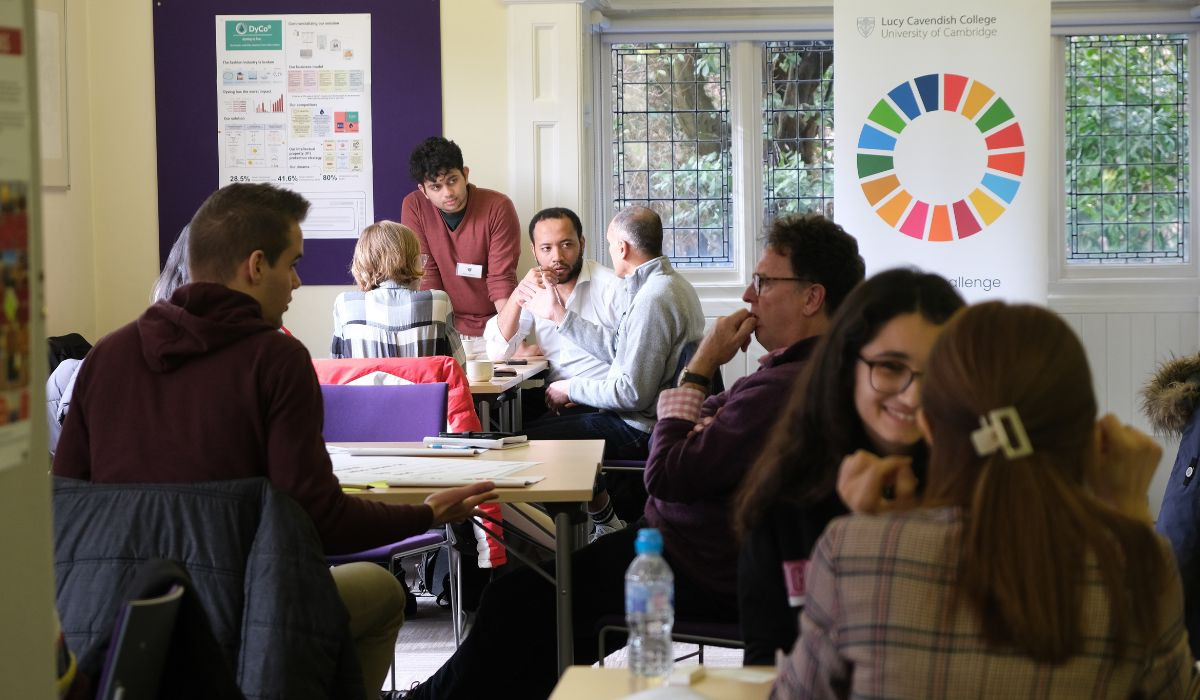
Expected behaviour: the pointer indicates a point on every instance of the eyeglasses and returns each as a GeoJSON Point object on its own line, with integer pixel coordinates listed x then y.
{"type": "Point", "coordinates": [890, 376]}
{"type": "Point", "coordinates": [757, 280]}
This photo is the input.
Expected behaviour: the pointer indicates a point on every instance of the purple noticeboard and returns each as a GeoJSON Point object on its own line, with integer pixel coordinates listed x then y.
{"type": "Point", "coordinates": [406, 101]}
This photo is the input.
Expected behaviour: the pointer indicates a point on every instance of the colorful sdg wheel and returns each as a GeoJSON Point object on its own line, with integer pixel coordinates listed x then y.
{"type": "Point", "coordinates": [940, 157]}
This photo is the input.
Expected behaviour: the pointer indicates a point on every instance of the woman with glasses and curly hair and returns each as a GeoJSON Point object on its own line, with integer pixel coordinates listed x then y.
{"type": "Point", "coordinates": [858, 396]}
{"type": "Point", "coordinates": [1030, 568]}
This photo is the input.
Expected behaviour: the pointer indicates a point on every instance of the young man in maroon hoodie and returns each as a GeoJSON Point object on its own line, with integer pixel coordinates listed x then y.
{"type": "Point", "coordinates": [204, 387]}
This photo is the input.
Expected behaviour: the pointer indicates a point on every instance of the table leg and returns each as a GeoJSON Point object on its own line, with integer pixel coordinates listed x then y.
{"type": "Point", "coordinates": [518, 418]}
{"type": "Point", "coordinates": [566, 517]}
{"type": "Point", "coordinates": [506, 415]}
{"type": "Point", "coordinates": [456, 593]}
{"type": "Point", "coordinates": [564, 545]}
{"type": "Point", "coordinates": [485, 417]}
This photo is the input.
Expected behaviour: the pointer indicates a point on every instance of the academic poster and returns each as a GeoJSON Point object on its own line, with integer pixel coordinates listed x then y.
{"type": "Point", "coordinates": [943, 139]}
{"type": "Point", "coordinates": [294, 110]}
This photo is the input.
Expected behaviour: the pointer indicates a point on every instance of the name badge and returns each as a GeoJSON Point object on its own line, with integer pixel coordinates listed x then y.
{"type": "Point", "coordinates": [795, 573]}
{"type": "Point", "coordinates": [469, 270]}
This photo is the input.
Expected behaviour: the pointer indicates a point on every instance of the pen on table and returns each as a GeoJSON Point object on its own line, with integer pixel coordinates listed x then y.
{"type": "Point", "coordinates": [440, 446]}
{"type": "Point", "coordinates": [351, 487]}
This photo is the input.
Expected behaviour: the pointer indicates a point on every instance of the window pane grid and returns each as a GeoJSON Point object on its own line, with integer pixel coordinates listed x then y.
{"type": "Point", "coordinates": [1127, 149]}
{"type": "Point", "coordinates": [797, 128]}
{"type": "Point", "coordinates": [671, 144]}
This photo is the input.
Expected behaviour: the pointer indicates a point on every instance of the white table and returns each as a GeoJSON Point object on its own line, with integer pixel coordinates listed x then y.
{"type": "Point", "coordinates": [570, 468]}
{"type": "Point", "coordinates": [506, 393]}
{"type": "Point", "coordinates": [579, 682]}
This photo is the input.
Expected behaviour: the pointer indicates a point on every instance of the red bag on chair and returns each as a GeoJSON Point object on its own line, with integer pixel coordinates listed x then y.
{"type": "Point", "coordinates": [490, 544]}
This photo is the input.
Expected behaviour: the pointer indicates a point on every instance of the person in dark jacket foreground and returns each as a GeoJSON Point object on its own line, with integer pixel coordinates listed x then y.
{"type": "Point", "coordinates": [1170, 401]}
{"type": "Point", "coordinates": [204, 387]}
{"type": "Point", "coordinates": [700, 450]}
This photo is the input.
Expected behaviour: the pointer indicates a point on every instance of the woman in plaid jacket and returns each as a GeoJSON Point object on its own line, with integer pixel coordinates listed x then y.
{"type": "Point", "coordinates": [1029, 570]}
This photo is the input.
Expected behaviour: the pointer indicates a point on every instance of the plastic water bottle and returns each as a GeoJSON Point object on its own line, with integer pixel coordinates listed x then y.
{"type": "Point", "coordinates": [649, 607]}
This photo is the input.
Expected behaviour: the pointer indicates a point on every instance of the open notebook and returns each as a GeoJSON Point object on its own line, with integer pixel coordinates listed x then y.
{"type": "Point", "coordinates": [478, 440]}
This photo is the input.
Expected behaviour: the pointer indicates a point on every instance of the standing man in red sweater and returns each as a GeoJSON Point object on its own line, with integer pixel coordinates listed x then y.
{"type": "Point", "coordinates": [471, 238]}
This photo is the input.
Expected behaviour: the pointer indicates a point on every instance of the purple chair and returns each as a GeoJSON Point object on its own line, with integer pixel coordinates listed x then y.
{"type": "Point", "coordinates": [390, 413]}
{"type": "Point", "coordinates": [387, 413]}
{"type": "Point", "coordinates": [137, 653]}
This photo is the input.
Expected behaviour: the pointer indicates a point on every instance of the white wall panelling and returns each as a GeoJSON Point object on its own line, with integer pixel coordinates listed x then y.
{"type": "Point", "coordinates": [1125, 347]}
{"type": "Point", "coordinates": [546, 54]}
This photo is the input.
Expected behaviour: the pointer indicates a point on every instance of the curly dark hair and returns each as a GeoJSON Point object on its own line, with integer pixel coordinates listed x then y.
{"type": "Point", "coordinates": [821, 252]}
{"type": "Point", "coordinates": [434, 157]}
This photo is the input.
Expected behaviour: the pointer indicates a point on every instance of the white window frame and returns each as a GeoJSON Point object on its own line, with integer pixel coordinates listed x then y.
{"type": "Point", "coordinates": [633, 21]}
{"type": "Point", "coordinates": [1163, 278]}
{"type": "Point", "coordinates": [745, 40]}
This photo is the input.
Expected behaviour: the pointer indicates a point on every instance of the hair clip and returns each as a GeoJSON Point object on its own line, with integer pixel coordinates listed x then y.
{"type": "Point", "coordinates": [993, 435]}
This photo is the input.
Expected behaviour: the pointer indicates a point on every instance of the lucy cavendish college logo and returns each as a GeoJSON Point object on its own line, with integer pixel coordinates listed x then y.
{"type": "Point", "coordinates": [866, 25]}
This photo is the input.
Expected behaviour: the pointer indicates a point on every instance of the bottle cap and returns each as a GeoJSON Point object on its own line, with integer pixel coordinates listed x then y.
{"type": "Point", "coordinates": [649, 541]}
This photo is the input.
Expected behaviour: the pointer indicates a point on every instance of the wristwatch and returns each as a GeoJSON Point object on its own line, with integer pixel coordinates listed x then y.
{"type": "Point", "coordinates": [686, 376]}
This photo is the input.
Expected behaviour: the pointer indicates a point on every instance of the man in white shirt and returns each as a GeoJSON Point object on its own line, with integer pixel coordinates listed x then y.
{"type": "Point", "coordinates": [585, 287]}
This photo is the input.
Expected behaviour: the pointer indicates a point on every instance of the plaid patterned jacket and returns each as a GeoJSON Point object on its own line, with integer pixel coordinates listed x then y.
{"type": "Point", "coordinates": [392, 321]}
{"type": "Point", "coordinates": [880, 623]}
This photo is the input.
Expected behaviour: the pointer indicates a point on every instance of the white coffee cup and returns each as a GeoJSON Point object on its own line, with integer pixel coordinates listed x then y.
{"type": "Point", "coordinates": [479, 370]}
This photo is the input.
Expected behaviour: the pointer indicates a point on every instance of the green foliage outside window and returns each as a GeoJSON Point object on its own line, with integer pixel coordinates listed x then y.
{"type": "Point", "coordinates": [1127, 149]}
{"type": "Point", "coordinates": [671, 144]}
{"type": "Point", "coordinates": [672, 147]}
{"type": "Point", "coordinates": [1126, 126]}
{"type": "Point", "coordinates": [797, 128]}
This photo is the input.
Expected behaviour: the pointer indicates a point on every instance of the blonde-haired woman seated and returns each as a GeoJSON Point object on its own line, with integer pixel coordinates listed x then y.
{"type": "Point", "coordinates": [388, 317]}
{"type": "Point", "coordinates": [1030, 569]}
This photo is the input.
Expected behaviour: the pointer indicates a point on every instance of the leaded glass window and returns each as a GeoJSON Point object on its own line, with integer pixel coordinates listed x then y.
{"type": "Point", "coordinates": [797, 128]}
{"type": "Point", "coordinates": [671, 144]}
{"type": "Point", "coordinates": [1127, 149]}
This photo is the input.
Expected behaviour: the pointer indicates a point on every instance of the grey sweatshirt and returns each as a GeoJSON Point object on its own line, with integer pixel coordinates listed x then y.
{"type": "Point", "coordinates": [663, 315]}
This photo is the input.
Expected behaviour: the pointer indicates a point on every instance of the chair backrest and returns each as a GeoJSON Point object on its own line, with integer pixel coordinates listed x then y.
{"type": "Point", "coordinates": [395, 413]}
{"type": "Point", "coordinates": [460, 413]}
{"type": "Point", "coordinates": [139, 647]}
{"type": "Point", "coordinates": [63, 347]}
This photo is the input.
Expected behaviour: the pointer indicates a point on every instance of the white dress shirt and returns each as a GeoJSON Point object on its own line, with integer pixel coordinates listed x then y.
{"type": "Point", "coordinates": [598, 297]}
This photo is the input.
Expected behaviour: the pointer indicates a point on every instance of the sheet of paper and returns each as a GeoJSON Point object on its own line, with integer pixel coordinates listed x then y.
{"type": "Point", "coordinates": [406, 451]}
{"type": "Point", "coordinates": [420, 470]}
